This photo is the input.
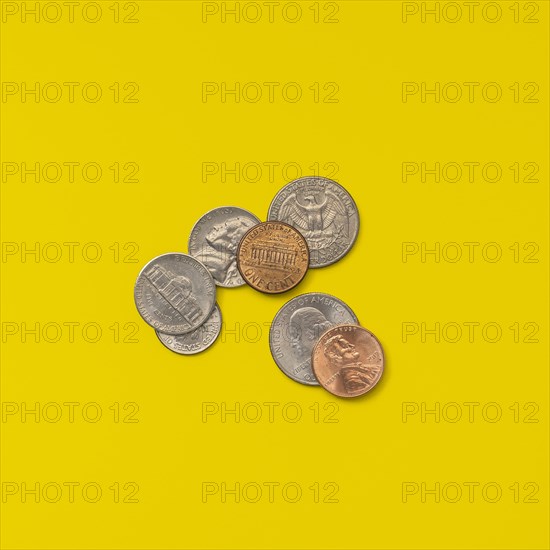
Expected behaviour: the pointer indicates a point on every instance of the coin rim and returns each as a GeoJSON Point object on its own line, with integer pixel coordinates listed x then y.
{"type": "Point", "coordinates": [356, 326]}
{"type": "Point", "coordinates": [286, 289]}
{"type": "Point", "coordinates": [169, 254]}
{"type": "Point", "coordinates": [352, 242]}
{"type": "Point", "coordinates": [305, 383]}
{"type": "Point", "coordinates": [159, 333]}
{"type": "Point", "coordinates": [198, 221]}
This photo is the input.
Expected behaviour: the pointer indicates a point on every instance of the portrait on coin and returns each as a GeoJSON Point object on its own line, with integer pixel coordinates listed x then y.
{"type": "Point", "coordinates": [176, 289]}
{"type": "Point", "coordinates": [306, 326]}
{"type": "Point", "coordinates": [355, 375]}
{"type": "Point", "coordinates": [218, 253]}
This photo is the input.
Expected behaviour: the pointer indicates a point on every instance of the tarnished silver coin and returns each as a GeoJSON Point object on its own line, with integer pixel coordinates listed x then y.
{"type": "Point", "coordinates": [323, 211]}
{"type": "Point", "coordinates": [214, 240]}
{"type": "Point", "coordinates": [297, 327]}
{"type": "Point", "coordinates": [175, 293]}
{"type": "Point", "coordinates": [196, 341]}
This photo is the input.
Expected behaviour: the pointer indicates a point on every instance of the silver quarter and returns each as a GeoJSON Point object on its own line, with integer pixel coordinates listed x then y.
{"type": "Point", "coordinates": [175, 293]}
{"type": "Point", "coordinates": [297, 327]}
{"type": "Point", "coordinates": [214, 240]}
{"type": "Point", "coordinates": [196, 341]}
{"type": "Point", "coordinates": [323, 211]}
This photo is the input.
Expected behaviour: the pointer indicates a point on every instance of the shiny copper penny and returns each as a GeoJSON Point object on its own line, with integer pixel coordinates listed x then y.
{"type": "Point", "coordinates": [348, 360]}
{"type": "Point", "coordinates": [273, 257]}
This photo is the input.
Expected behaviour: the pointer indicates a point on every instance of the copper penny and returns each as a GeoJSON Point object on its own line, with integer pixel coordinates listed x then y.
{"type": "Point", "coordinates": [348, 360]}
{"type": "Point", "coordinates": [273, 257]}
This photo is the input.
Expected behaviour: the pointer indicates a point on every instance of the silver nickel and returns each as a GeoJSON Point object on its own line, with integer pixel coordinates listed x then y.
{"type": "Point", "coordinates": [323, 211]}
{"type": "Point", "coordinates": [198, 340]}
{"type": "Point", "coordinates": [214, 240]}
{"type": "Point", "coordinates": [297, 327]}
{"type": "Point", "coordinates": [175, 293]}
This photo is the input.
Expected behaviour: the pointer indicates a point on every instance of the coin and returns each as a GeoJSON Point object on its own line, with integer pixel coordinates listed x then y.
{"type": "Point", "coordinates": [196, 341]}
{"type": "Point", "coordinates": [214, 240]}
{"type": "Point", "coordinates": [272, 257]}
{"type": "Point", "coordinates": [175, 293]}
{"type": "Point", "coordinates": [348, 360]}
{"type": "Point", "coordinates": [297, 327]}
{"type": "Point", "coordinates": [323, 211]}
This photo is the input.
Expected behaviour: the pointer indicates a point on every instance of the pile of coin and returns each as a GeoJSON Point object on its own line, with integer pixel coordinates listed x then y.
{"type": "Point", "coordinates": [314, 338]}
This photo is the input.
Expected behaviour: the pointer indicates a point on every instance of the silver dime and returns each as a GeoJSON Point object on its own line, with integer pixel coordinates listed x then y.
{"type": "Point", "coordinates": [298, 326]}
{"type": "Point", "coordinates": [323, 211]}
{"type": "Point", "coordinates": [196, 341]}
{"type": "Point", "coordinates": [175, 293]}
{"type": "Point", "coordinates": [214, 240]}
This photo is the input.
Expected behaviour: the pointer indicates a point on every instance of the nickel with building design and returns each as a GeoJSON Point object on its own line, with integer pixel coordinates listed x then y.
{"type": "Point", "coordinates": [175, 293]}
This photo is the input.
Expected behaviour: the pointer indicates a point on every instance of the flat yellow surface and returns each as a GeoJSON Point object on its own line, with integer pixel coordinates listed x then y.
{"type": "Point", "coordinates": [138, 117]}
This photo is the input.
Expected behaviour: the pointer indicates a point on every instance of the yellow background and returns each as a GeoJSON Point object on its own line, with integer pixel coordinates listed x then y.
{"type": "Point", "coordinates": [170, 132]}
